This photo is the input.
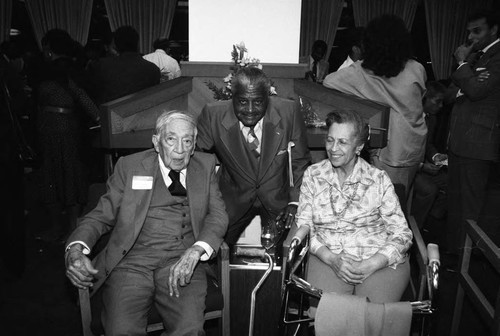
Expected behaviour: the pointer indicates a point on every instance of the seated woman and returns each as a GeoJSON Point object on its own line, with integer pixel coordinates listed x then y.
{"type": "Point", "coordinates": [358, 233]}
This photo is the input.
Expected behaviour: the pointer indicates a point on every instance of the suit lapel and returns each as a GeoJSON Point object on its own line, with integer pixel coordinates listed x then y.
{"type": "Point", "coordinates": [194, 181]}
{"type": "Point", "coordinates": [490, 53]}
{"type": "Point", "coordinates": [272, 135]}
{"type": "Point", "coordinates": [150, 167]}
{"type": "Point", "coordinates": [230, 137]}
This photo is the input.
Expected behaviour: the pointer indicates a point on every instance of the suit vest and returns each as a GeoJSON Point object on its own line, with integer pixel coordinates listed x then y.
{"type": "Point", "coordinates": [167, 230]}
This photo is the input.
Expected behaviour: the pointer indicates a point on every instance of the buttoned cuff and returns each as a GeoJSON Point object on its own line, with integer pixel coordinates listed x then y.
{"type": "Point", "coordinates": [86, 249]}
{"type": "Point", "coordinates": [208, 250]}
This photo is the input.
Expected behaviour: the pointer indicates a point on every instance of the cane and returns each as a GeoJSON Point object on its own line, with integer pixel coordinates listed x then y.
{"type": "Point", "coordinates": [255, 252]}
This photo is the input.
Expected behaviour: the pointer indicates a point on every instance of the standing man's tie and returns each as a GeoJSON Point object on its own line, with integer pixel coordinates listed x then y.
{"type": "Point", "coordinates": [315, 70]}
{"type": "Point", "coordinates": [176, 188]}
{"type": "Point", "coordinates": [253, 142]}
{"type": "Point", "coordinates": [475, 57]}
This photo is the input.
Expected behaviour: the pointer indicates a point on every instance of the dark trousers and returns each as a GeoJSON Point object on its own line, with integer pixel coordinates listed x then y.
{"type": "Point", "coordinates": [489, 219]}
{"type": "Point", "coordinates": [467, 185]}
{"type": "Point", "coordinates": [427, 189]}
{"type": "Point", "coordinates": [235, 229]}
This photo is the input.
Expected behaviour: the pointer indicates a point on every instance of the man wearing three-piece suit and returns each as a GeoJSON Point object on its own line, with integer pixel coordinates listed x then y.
{"type": "Point", "coordinates": [261, 144]}
{"type": "Point", "coordinates": [166, 214]}
{"type": "Point", "coordinates": [474, 143]}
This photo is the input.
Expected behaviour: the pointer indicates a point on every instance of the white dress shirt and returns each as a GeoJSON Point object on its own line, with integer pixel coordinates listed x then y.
{"type": "Point", "coordinates": [168, 65]}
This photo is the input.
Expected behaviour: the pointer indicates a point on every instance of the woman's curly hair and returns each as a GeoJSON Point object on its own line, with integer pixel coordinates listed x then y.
{"type": "Point", "coordinates": [386, 46]}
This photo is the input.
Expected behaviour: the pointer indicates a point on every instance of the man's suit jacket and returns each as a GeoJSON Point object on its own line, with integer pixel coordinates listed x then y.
{"type": "Point", "coordinates": [323, 67]}
{"type": "Point", "coordinates": [219, 132]}
{"type": "Point", "coordinates": [475, 118]}
{"type": "Point", "coordinates": [123, 209]}
{"type": "Point", "coordinates": [116, 76]}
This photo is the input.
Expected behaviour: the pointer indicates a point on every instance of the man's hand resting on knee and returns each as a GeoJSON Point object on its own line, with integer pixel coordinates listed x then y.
{"type": "Point", "coordinates": [182, 271]}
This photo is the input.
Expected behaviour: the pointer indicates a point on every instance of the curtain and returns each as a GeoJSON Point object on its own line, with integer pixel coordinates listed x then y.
{"type": "Point", "coordinates": [151, 18]}
{"type": "Point", "coordinates": [365, 10]}
{"type": "Point", "coordinates": [446, 30]}
{"type": "Point", "coordinates": [72, 16]}
{"type": "Point", "coordinates": [5, 19]}
{"type": "Point", "coordinates": [319, 21]}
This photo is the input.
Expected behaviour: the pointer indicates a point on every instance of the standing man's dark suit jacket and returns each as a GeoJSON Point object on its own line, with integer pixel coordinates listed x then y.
{"type": "Point", "coordinates": [475, 119]}
{"type": "Point", "coordinates": [219, 132]}
{"type": "Point", "coordinates": [123, 209]}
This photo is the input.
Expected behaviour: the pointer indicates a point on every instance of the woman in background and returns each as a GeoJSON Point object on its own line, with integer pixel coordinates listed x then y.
{"type": "Point", "coordinates": [387, 74]}
{"type": "Point", "coordinates": [64, 111]}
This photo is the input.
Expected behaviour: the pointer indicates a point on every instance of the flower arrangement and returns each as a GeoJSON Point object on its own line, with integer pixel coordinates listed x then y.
{"type": "Point", "coordinates": [240, 60]}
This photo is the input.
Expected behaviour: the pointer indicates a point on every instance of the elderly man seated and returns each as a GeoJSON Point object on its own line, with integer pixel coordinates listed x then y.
{"type": "Point", "coordinates": [165, 213]}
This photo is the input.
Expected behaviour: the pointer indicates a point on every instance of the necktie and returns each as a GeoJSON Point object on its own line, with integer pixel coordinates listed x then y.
{"type": "Point", "coordinates": [476, 58]}
{"type": "Point", "coordinates": [315, 70]}
{"type": "Point", "coordinates": [253, 142]}
{"type": "Point", "coordinates": [176, 188]}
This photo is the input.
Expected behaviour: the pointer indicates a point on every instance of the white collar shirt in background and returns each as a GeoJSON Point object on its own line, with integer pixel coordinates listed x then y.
{"type": "Point", "coordinates": [168, 66]}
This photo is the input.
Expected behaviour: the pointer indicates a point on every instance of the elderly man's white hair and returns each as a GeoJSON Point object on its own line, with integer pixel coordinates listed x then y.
{"type": "Point", "coordinates": [167, 116]}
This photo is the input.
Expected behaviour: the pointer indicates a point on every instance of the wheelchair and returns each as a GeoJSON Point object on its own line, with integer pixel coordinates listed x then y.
{"type": "Point", "coordinates": [296, 291]}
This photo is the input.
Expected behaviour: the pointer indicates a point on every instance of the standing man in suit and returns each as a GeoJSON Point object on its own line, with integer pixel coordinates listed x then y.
{"type": "Point", "coordinates": [113, 77]}
{"type": "Point", "coordinates": [317, 68]}
{"type": "Point", "coordinates": [261, 144]}
{"type": "Point", "coordinates": [165, 213]}
{"type": "Point", "coordinates": [474, 143]}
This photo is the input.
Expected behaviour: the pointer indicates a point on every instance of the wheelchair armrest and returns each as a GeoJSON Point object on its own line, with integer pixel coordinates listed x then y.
{"type": "Point", "coordinates": [422, 257]}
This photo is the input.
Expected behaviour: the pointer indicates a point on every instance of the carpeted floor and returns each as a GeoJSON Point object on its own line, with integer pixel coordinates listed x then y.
{"type": "Point", "coordinates": [39, 300]}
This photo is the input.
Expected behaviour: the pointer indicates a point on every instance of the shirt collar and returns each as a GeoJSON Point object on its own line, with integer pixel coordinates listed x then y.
{"type": "Point", "coordinates": [257, 127]}
{"type": "Point", "coordinates": [161, 51]}
{"type": "Point", "coordinates": [165, 171]}
{"type": "Point", "coordinates": [491, 45]}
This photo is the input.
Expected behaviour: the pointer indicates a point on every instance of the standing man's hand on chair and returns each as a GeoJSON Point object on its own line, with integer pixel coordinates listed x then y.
{"type": "Point", "coordinates": [79, 269]}
{"type": "Point", "coordinates": [182, 271]}
{"type": "Point", "coordinates": [287, 215]}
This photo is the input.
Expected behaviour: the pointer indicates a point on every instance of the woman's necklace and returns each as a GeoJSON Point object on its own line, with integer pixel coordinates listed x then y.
{"type": "Point", "coordinates": [340, 215]}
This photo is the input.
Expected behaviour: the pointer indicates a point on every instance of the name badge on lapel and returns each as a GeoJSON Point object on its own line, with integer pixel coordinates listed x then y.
{"type": "Point", "coordinates": [142, 182]}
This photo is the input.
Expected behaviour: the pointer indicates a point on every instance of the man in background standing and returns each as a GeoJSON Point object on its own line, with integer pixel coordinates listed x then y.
{"type": "Point", "coordinates": [317, 67]}
{"type": "Point", "coordinates": [168, 66]}
{"type": "Point", "coordinates": [474, 143]}
{"type": "Point", "coordinates": [117, 76]}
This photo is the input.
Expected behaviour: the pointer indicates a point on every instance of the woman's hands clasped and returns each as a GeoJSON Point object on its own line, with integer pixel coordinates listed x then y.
{"type": "Point", "coordinates": [352, 269]}
{"type": "Point", "coordinates": [345, 266]}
